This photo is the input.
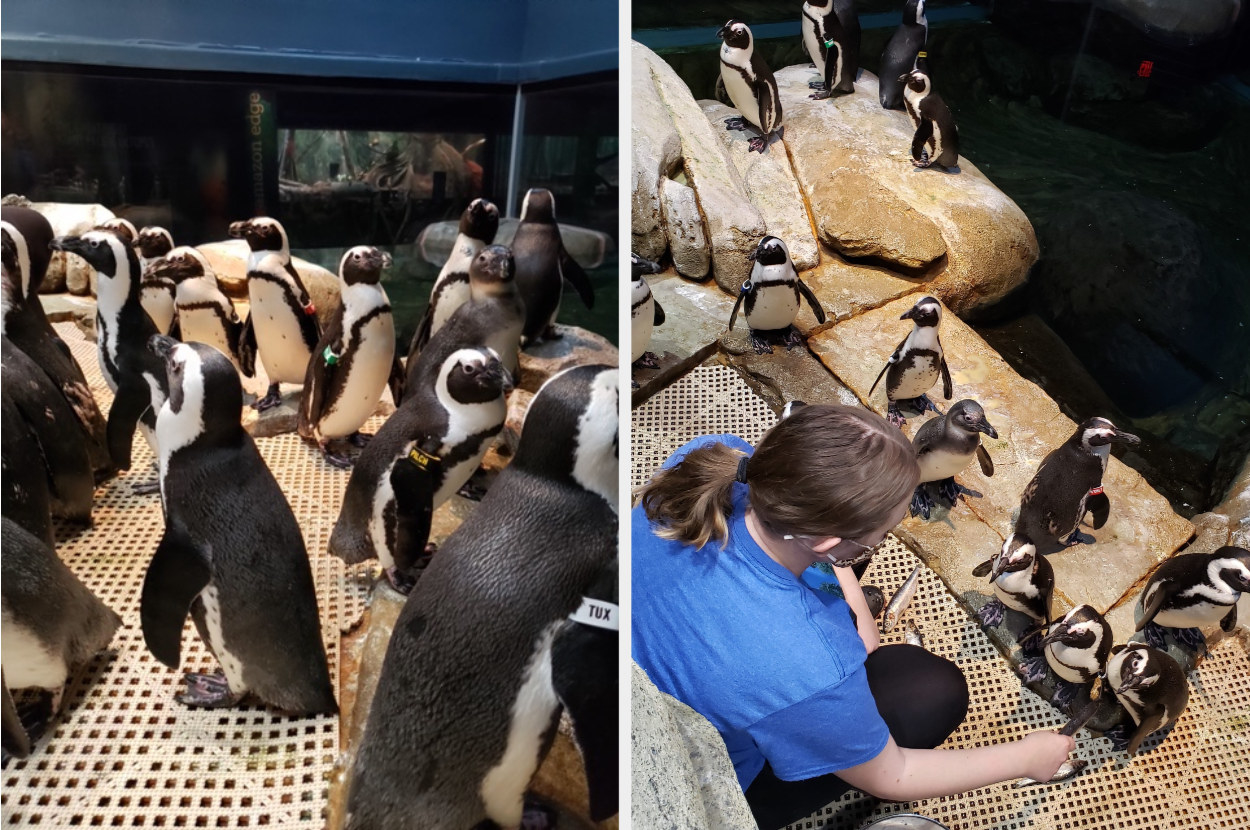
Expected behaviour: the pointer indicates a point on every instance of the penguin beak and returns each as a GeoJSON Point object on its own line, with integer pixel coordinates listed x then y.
{"type": "Point", "coordinates": [985, 427]}
{"type": "Point", "coordinates": [998, 567]}
{"type": "Point", "coordinates": [238, 230]}
{"type": "Point", "coordinates": [909, 314]}
{"type": "Point", "coordinates": [904, 78]}
{"type": "Point", "coordinates": [161, 345]}
{"type": "Point", "coordinates": [1122, 437]}
{"type": "Point", "coordinates": [386, 260]}
{"type": "Point", "coordinates": [69, 244]}
{"type": "Point", "coordinates": [1056, 634]}
{"type": "Point", "coordinates": [1135, 681]}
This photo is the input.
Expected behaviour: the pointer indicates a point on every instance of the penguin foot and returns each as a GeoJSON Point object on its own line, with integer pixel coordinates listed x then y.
{"type": "Point", "coordinates": [537, 817]}
{"type": "Point", "coordinates": [1031, 640]}
{"type": "Point", "coordinates": [359, 439]}
{"type": "Point", "coordinates": [793, 338]}
{"type": "Point", "coordinates": [1155, 636]}
{"type": "Point", "coordinates": [893, 415]}
{"type": "Point", "coordinates": [760, 343]}
{"type": "Point", "coordinates": [1079, 538]}
{"type": "Point", "coordinates": [736, 122]}
{"type": "Point", "coordinates": [272, 398]}
{"type": "Point", "coordinates": [1065, 694]}
{"type": "Point", "coordinates": [950, 491]}
{"type": "Point", "coordinates": [146, 488]}
{"type": "Point", "coordinates": [921, 502]}
{"type": "Point", "coordinates": [207, 691]}
{"type": "Point", "coordinates": [1191, 638]}
{"type": "Point", "coordinates": [36, 715]}
{"type": "Point", "coordinates": [822, 95]}
{"type": "Point", "coordinates": [647, 361]}
{"type": "Point", "coordinates": [1119, 737]}
{"type": "Point", "coordinates": [992, 613]}
{"type": "Point", "coordinates": [757, 144]}
{"type": "Point", "coordinates": [335, 459]}
{"type": "Point", "coordinates": [400, 581]}
{"type": "Point", "coordinates": [921, 162]}
{"type": "Point", "coordinates": [923, 404]}
{"type": "Point", "coordinates": [1033, 669]}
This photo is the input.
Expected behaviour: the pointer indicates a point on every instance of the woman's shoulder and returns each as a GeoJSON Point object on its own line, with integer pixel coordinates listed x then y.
{"type": "Point", "coordinates": [729, 440]}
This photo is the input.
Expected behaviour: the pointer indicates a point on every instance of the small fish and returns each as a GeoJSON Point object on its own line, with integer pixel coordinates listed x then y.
{"type": "Point", "coordinates": [1067, 769]}
{"type": "Point", "coordinates": [911, 634]}
{"type": "Point", "coordinates": [900, 601]}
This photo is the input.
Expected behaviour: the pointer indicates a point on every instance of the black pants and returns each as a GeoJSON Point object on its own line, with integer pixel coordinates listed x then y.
{"type": "Point", "coordinates": [922, 698]}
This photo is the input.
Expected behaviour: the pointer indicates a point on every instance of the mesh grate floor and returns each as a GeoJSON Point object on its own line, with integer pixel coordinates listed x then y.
{"type": "Point", "coordinates": [1197, 776]}
{"type": "Point", "coordinates": [124, 754]}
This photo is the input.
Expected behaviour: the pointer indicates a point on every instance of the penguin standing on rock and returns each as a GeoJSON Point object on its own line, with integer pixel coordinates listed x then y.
{"type": "Point", "coordinates": [1151, 686]}
{"type": "Point", "coordinates": [945, 446]}
{"type": "Point", "coordinates": [1191, 590]}
{"type": "Point", "coordinates": [644, 312]}
{"type": "Point", "coordinates": [833, 47]}
{"type": "Point", "coordinates": [916, 363]}
{"type": "Point", "coordinates": [158, 293]}
{"type": "Point", "coordinates": [770, 297]}
{"type": "Point", "coordinates": [936, 141]}
{"type": "Point", "coordinates": [750, 85]}
{"type": "Point", "coordinates": [232, 553]}
{"type": "Point", "coordinates": [478, 225]}
{"type": "Point", "coordinates": [1077, 648]}
{"type": "Point", "coordinates": [355, 358]}
{"type": "Point", "coordinates": [467, 701]}
{"type": "Point", "coordinates": [543, 264]}
{"type": "Point", "coordinates": [282, 324]}
{"type": "Point", "coordinates": [205, 314]}
{"type": "Point", "coordinates": [1024, 582]}
{"type": "Point", "coordinates": [901, 52]}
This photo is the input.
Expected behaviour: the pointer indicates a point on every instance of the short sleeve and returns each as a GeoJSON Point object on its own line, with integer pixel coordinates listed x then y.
{"type": "Point", "coordinates": [833, 729]}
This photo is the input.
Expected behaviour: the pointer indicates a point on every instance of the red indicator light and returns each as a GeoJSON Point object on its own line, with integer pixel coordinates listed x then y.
{"type": "Point", "coordinates": [1143, 71]}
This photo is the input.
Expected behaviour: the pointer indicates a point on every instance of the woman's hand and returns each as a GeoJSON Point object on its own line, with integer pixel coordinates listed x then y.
{"type": "Point", "coordinates": [1044, 752]}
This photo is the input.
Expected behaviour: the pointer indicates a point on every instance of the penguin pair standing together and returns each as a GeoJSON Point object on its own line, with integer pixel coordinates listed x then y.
{"type": "Point", "coordinates": [750, 85]}
{"type": "Point", "coordinates": [936, 140]}
{"type": "Point", "coordinates": [770, 297]}
{"type": "Point", "coordinates": [831, 38]}
{"type": "Point", "coordinates": [205, 314]}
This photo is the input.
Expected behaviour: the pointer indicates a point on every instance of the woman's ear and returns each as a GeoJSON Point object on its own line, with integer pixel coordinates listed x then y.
{"type": "Point", "coordinates": [827, 544]}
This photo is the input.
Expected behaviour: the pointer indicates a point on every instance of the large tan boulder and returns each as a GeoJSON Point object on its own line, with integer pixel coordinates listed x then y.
{"type": "Point", "coordinates": [229, 260]}
{"type": "Point", "coordinates": [656, 151]}
{"type": "Point", "coordinates": [683, 229]}
{"type": "Point", "coordinates": [970, 242]}
{"type": "Point", "coordinates": [68, 272]}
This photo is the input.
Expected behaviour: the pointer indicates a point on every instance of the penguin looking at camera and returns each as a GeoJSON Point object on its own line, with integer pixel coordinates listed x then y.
{"type": "Point", "coordinates": [543, 265]}
{"type": "Point", "coordinates": [1068, 483]}
{"type": "Point", "coordinates": [205, 314]}
{"type": "Point", "coordinates": [355, 358]}
{"type": "Point", "coordinates": [282, 326]}
{"type": "Point", "coordinates": [832, 44]}
{"type": "Point", "coordinates": [1192, 590]}
{"type": "Point", "coordinates": [157, 293]}
{"type": "Point", "coordinates": [1150, 685]}
{"type": "Point", "coordinates": [135, 375]}
{"type": "Point", "coordinates": [945, 446]}
{"type": "Point", "coordinates": [1024, 582]}
{"type": "Point", "coordinates": [770, 297]}
{"type": "Point", "coordinates": [478, 225]}
{"type": "Point", "coordinates": [750, 85]}
{"type": "Point", "coordinates": [232, 553]}
{"type": "Point", "coordinates": [1077, 648]}
{"type": "Point", "coordinates": [420, 457]}
{"type": "Point", "coordinates": [448, 745]}
{"type": "Point", "coordinates": [936, 141]}
{"type": "Point", "coordinates": [644, 311]}
{"type": "Point", "coordinates": [901, 52]}
{"type": "Point", "coordinates": [50, 622]}
{"type": "Point", "coordinates": [916, 363]}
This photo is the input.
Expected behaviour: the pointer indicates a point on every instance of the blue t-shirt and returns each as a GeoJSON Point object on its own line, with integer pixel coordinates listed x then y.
{"type": "Point", "coordinates": [776, 666]}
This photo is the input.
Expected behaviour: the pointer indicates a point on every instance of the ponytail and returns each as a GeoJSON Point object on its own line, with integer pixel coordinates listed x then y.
{"type": "Point", "coordinates": [691, 501]}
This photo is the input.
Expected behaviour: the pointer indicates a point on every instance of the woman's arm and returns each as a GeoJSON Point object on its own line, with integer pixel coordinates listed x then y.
{"type": "Point", "coordinates": [899, 774]}
{"type": "Point", "coordinates": [864, 621]}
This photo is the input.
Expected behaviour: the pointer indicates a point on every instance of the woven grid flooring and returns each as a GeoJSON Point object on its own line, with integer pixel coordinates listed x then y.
{"type": "Point", "coordinates": [124, 754]}
{"type": "Point", "coordinates": [1196, 776]}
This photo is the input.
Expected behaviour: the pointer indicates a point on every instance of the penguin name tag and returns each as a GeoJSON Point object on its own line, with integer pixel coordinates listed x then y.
{"type": "Point", "coordinates": [310, 308]}
{"type": "Point", "coordinates": [330, 357]}
{"type": "Point", "coordinates": [1097, 491]}
{"type": "Point", "coordinates": [598, 613]}
{"type": "Point", "coordinates": [423, 460]}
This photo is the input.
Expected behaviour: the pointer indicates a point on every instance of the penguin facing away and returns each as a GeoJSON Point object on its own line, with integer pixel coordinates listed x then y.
{"type": "Point", "coordinates": [157, 293]}
{"type": "Point", "coordinates": [447, 744]}
{"type": "Point", "coordinates": [355, 357]}
{"type": "Point", "coordinates": [644, 312]}
{"type": "Point", "coordinates": [49, 623]}
{"type": "Point", "coordinates": [1077, 648]}
{"type": "Point", "coordinates": [205, 314]}
{"type": "Point", "coordinates": [829, 44]}
{"type": "Point", "coordinates": [936, 141]}
{"type": "Point", "coordinates": [945, 446]}
{"type": "Point", "coordinates": [1150, 685]}
{"type": "Point", "coordinates": [542, 266]}
{"type": "Point", "coordinates": [232, 553]}
{"type": "Point", "coordinates": [770, 297]}
{"type": "Point", "coordinates": [916, 363]}
{"type": "Point", "coordinates": [478, 225]}
{"type": "Point", "coordinates": [1192, 590]}
{"type": "Point", "coordinates": [750, 85]}
{"type": "Point", "coordinates": [901, 52]}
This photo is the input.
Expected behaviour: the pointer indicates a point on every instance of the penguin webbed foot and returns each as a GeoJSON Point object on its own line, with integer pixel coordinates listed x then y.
{"type": "Point", "coordinates": [335, 459]}
{"type": "Point", "coordinates": [951, 490]}
{"type": "Point", "coordinates": [1032, 669]}
{"type": "Point", "coordinates": [1155, 635]}
{"type": "Point", "coordinates": [992, 613]}
{"type": "Point", "coordinates": [923, 404]}
{"type": "Point", "coordinates": [893, 415]}
{"type": "Point", "coordinates": [36, 715]}
{"type": "Point", "coordinates": [1190, 638]}
{"type": "Point", "coordinates": [1119, 737]}
{"type": "Point", "coordinates": [735, 122]}
{"type": "Point", "coordinates": [272, 398]}
{"type": "Point", "coordinates": [359, 439]}
{"type": "Point", "coordinates": [760, 342]}
{"type": "Point", "coordinates": [1078, 538]}
{"type": "Point", "coordinates": [921, 502]}
{"type": "Point", "coordinates": [757, 144]}
{"type": "Point", "coordinates": [1031, 641]}
{"type": "Point", "coordinates": [207, 691]}
{"type": "Point", "coordinates": [537, 817]}
{"type": "Point", "coordinates": [647, 361]}
{"type": "Point", "coordinates": [922, 162]}
{"type": "Point", "coordinates": [792, 338]}
{"type": "Point", "coordinates": [816, 84]}
{"type": "Point", "coordinates": [146, 488]}
{"type": "Point", "coordinates": [400, 581]}
{"type": "Point", "coordinates": [1065, 694]}
{"type": "Point", "coordinates": [822, 94]}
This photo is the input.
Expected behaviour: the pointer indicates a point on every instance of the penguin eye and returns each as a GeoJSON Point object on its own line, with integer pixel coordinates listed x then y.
{"type": "Point", "coordinates": [469, 369]}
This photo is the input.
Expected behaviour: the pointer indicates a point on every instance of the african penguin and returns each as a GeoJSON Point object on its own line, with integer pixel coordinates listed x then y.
{"type": "Point", "coordinates": [49, 621]}
{"type": "Point", "coordinates": [543, 264]}
{"type": "Point", "coordinates": [157, 293]}
{"type": "Point", "coordinates": [478, 225]}
{"type": "Point", "coordinates": [644, 312]}
{"type": "Point", "coordinates": [770, 297]}
{"type": "Point", "coordinates": [135, 375]}
{"type": "Point", "coordinates": [832, 45]}
{"type": "Point", "coordinates": [936, 141]}
{"type": "Point", "coordinates": [124, 228]}
{"type": "Point", "coordinates": [1192, 590]}
{"type": "Point", "coordinates": [916, 363]}
{"type": "Point", "coordinates": [420, 457]}
{"type": "Point", "coordinates": [1077, 648]}
{"type": "Point", "coordinates": [1150, 685]}
{"type": "Point", "coordinates": [1067, 484]}
{"type": "Point", "coordinates": [232, 552]}
{"type": "Point", "coordinates": [466, 705]}
{"type": "Point", "coordinates": [25, 236]}
{"type": "Point", "coordinates": [750, 85]}
{"type": "Point", "coordinates": [900, 53]}
{"type": "Point", "coordinates": [1024, 582]}
{"type": "Point", "coordinates": [205, 314]}
{"type": "Point", "coordinates": [355, 357]}
{"type": "Point", "coordinates": [945, 446]}
{"type": "Point", "coordinates": [282, 325]}
{"type": "Point", "coordinates": [25, 493]}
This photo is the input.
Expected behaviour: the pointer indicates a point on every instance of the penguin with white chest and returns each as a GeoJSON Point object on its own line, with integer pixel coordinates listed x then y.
{"type": "Point", "coordinates": [901, 52]}
{"type": "Point", "coordinates": [945, 446]}
{"type": "Point", "coordinates": [136, 376]}
{"type": "Point", "coordinates": [543, 265]}
{"type": "Point", "coordinates": [420, 457]}
{"type": "Point", "coordinates": [644, 312]}
{"type": "Point", "coordinates": [916, 363]}
{"type": "Point", "coordinates": [1077, 648]}
{"type": "Point", "coordinates": [936, 141]}
{"type": "Point", "coordinates": [232, 553]}
{"type": "Point", "coordinates": [467, 702]}
{"type": "Point", "coordinates": [478, 225]}
{"type": "Point", "coordinates": [158, 293]}
{"type": "Point", "coordinates": [282, 325]}
{"type": "Point", "coordinates": [770, 297]}
{"type": "Point", "coordinates": [205, 314]}
{"type": "Point", "coordinates": [1152, 688]}
{"type": "Point", "coordinates": [1192, 590]}
{"type": "Point", "coordinates": [750, 85]}
{"type": "Point", "coordinates": [1024, 582]}
{"type": "Point", "coordinates": [831, 38]}
{"type": "Point", "coordinates": [355, 358]}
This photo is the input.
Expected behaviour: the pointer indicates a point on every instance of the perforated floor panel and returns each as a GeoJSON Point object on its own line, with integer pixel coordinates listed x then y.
{"type": "Point", "coordinates": [125, 754]}
{"type": "Point", "coordinates": [1195, 776]}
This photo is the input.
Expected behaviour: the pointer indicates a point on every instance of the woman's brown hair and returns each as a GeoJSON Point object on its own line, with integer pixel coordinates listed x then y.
{"type": "Point", "coordinates": [824, 471]}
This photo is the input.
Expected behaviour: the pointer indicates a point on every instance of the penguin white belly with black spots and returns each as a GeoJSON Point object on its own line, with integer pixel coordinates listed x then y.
{"type": "Point", "coordinates": [916, 363]}
{"type": "Point", "coordinates": [739, 91]}
{"type": "Point", "coordinates": [158, 294]}
{"type": "Point", "coordinates": [644, 311]}
{"type": "Point", "coordinates": [367, 381]}
{"type": "Point", "coordinates": [201, 314]}
{"type": "Point", "coordinates": [920, 373]}
{"type": "Point", "coordinates": [770, 298]}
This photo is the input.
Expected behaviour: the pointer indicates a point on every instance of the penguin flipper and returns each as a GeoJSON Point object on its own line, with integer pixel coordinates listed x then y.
{"type": "Point", "coordinates": [1152, 601]}
{"type": "Point", "coordinates": [810, 296]}
{"type": "Point", "coordinates": [1229, 623]}
{"type": "Point", "coordinates": [175, 327]}
{"type": "Point", "coordinates": [924, 132]}
{"type": "Point", "coordinates": [583, 673]}
{"type": "Point", "coordinates": [742, 292]}
{"type": "Point", "coordinates": [1100, 506]}
{"type": "Point", "coordinates": [128, 405]}
{"type": "Point", "coordinates": [987, 463]}
{"type": "Point", "coordinates": [571, 271]}
{"type": "Point", "coordinates": [948, 388]}
{"type": "Point", "coordinates": [177, 574]}
{"type": "Point", "coordinates": [1149, 724]}
{"type": "Point", "coordinates": [245, 345]}
{"type": "Point", "coordinates": [422, 335]}
{"type": "Point", "coordinates": [15, 740]}
{"type": "Point", "coordinates": [984, 568]}
{"type": "Point", "coordinates": [414, 480]}
{"type": "Point", "coordinates": [396, 380]}
{"type": "Point", "coordinates": [894, 356]}
{"type": "Point", "coordinates": [320, 375]}
{"type": "Point", "coordinates": [658, 320]}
